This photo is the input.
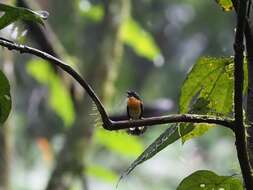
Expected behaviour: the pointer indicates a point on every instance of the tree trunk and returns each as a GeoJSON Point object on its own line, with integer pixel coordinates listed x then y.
{"type": "Point", "coordinates": [4, 157]}
{"type": "Point", "coordinates": [249, 102]}
{"type": "Point", "coordinates": [249, 46]}
{"type": "Point", "coordinates": [5, 131]}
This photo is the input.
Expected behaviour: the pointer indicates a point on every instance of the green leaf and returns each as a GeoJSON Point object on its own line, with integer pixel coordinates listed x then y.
{"type": "Point", "coordinates": [12, 14]}
{"type": "Point", "coordinates": [210, 79]}
{"type": "Point", "coordinates": [200, 94]}
{"type": "Point", "coordinates": [197, 130]}
{"type": "Point", "coordinates": [120, 143]}
{"type": "Point", "coordinates": [93, 12]}
{"type": "Point", "coordinates": [168, 137]}
{"type": "Point", "coordinates": [101, 172]}
{"type": "Point", "coordinates": [200, 106]}
{"type": "Point", "coordinates": [208, 180]}
{"type": "Point", "coordinates": [140, 40]}
{"type": "Point", "coordinates": [59, 97]}
{"type": "Point", "coordinates": [226, 5]}
{"type": "Point", "coordinates": [208, 89]}
{"type": "Point", "coordinates": [5, 98]}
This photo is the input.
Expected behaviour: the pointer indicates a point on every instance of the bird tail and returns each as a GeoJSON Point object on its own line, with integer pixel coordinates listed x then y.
{"type": "Point", "coordinates": [137, 130]}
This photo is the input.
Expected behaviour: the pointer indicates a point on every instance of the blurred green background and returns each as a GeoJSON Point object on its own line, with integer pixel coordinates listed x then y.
{"type": "Point", "coordinates": [53, 138]}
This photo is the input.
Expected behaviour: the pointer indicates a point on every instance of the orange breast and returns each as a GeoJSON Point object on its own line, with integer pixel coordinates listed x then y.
{"type": "Point", "coordinates": [134, 106]}
{"type": "Point", "coordinates": [133, 103]}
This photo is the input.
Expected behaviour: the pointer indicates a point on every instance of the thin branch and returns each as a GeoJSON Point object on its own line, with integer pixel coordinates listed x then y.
{"type": "Point", "coordinates": [26, 49]}
{"type": "Point", "coordinates": [175, 118]}
{"type": "Point", "coordinates": [107, 123]}
{"type": "Point", "coordinates": [238, 59]}
{"type": "Point", "coordinates": [238, 97]}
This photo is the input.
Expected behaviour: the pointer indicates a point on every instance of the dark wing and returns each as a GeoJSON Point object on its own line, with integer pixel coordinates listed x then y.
{"type": "Point", "coordinates": [128, 115]}
{"type": "Point", "coordinates": [141, 111]}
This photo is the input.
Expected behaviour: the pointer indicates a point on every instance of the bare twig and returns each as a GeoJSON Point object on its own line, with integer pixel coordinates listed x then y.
{"type": "Point", "coordinates": [174, 118]}
{"type": "Point", "coordinates": [107, 123]}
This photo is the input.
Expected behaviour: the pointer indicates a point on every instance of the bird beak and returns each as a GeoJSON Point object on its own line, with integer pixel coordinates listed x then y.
{"type": "Point", "coordinates": [128, 93]}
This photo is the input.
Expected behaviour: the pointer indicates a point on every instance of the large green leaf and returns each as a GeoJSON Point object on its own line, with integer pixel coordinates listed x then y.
{"type": "Point", "coordinates": [208, 89]}
{"type": "Point", "coordinates": [5, 98]}
{"type": "Point", "coordinates": [211, 81]}
{"type": "Point", "coordinates": [12, 14]}
{"type": "Point", "coordinates": [130, 146]}
{"type": "Point", "coordinates": [168, 137]}
{"type": "Point", "coordinates": [140, 40]}
{"type": "Point", "coordinates": [208, 180]}
{"type": "Point", "coordinates": [226, 5]}
{"type": "Point", "coordinates": [198, 95]}
{"type": "Point", "coordinates": [59, 97]}
{"type": "Point", "coordinates": [200, 106]}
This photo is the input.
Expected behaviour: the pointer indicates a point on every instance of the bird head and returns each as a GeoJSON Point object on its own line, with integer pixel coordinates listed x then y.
{"type": "Point", "coordinates": [132, 94]}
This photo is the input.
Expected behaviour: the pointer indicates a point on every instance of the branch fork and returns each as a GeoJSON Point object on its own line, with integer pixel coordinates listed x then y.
{"type": "Point", "coordinates": [107, 123]}
{"type": "Point", "coordinates": [236, 124]}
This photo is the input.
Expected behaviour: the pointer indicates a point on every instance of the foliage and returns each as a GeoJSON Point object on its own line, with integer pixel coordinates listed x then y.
{"type": "Point", "coordinates": [226, 5]}
{"type": "Point", "coordinates": [139, 39]}
{"type": "Point", "coordinates": [168, 137]}
{"type": "Point", "coordinates": [208, 180]}
{"type": "Point", "coordinates": [208, 89]}
{"type": "Point", "coordinates": [212, 80]}
{"type": "Point", "coordinates": [131, 32]}
{"type": "Point", "coordinates": [12, 14]}
{"type": "Point", "coordinates": [94, 12]}
{"type": "Point", "coordinates": [5, 98]}
{"type": "Point", "coordinates": [59, 97]}
{"type": "Point", "coordinates": [130, 146]}
{"type": "Point", "coordinates": [101, 172]}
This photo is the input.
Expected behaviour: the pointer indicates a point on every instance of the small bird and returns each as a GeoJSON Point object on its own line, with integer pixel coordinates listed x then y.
{"type": "Point", "coordinates": [135, 111]}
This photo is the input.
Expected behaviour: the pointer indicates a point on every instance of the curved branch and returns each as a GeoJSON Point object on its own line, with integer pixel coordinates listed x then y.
{"type": "Point", "coordinates": [26, 49]}
{"type": "Point", "coordinates": [107, 123]}
{"type": "Point", "coordinates": [175, 118]}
